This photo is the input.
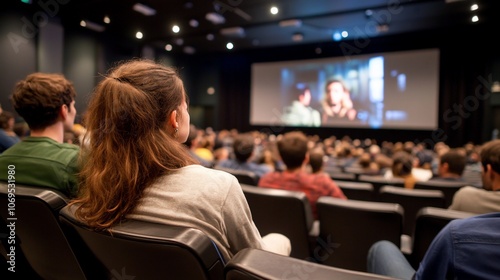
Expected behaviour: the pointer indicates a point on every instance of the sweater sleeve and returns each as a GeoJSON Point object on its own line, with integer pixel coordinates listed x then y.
{"type": "Point", "coordinates": [240, 229]}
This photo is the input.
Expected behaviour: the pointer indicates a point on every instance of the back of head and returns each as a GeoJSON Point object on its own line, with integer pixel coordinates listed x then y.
{"type": "Point", "coordinates": [129, 145]}
{"type": "Point", "coordinates": [316, 161]}
{"type": "Point", "coordinates": [5, 116]}
{"type": "Point", "coordinates": [243, 146]}
{"type": "Point", "coordinates": [293, 149]}
{"type": "Point", "coordinates": [456, 161]}
{"type": "Point", "coordinates": [39, 97]}
{"type": "Point", "coordinates": [490, 154]}
{"type": "Point", "coordinates": [402, 164]}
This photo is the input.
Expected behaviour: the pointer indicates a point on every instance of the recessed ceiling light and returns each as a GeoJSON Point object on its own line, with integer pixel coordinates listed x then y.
{"type": "Point", "coordinates": [138, 35]}
{"type": "Point", "coordinates": [194, 23]}
{"type": "Point", "coordinates": [474, 7]}
{"type": "Point", "coordinates": [274, 10]}
{"type": "Point", "coordinates": [168, 47]}
{"type": "Point", "coordinates": [475, 19]}
{"type": "Point", "coordinates": [176, 29]}
{"type": "Point", "coordinates": [106, 19]}
{"type": "Point", "coordinates": [344, 34]}
{"type": "Point", "coordinates": [229, 46]}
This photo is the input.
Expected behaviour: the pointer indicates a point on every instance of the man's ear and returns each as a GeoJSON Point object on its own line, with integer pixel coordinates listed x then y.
{"type": "Point", "coordinates": [63, 111]}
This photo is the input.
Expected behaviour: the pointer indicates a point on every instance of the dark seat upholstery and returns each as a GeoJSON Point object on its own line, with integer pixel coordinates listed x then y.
{"type": "Point", "coordinates": [348, 228]}
{"type": "Point", "coordinates": [40, 241]}
{"type": "Point", "coordinates": [244, 177]}
{"type": "Point", "coordinates": [379, 181]}
{"type": "Point", "coordinates": [412, 201]}
{"type": "Point", "coordinates": [285, 212]}
{"type": "Point", "coordinates": [357, 190]}
{"type": "Point", "coordinates": [429, 222]}
{"type": "Point", "coordinates": [143, 250]}
{"type": "Point", "coordinates": [342, 176]}
{"type": "Point", "coordinates": [449, 188]}
{"type": "Point", "coordinates": [251, 264]}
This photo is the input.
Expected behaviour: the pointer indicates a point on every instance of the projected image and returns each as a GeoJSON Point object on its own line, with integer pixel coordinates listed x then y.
{"type": "Point", "coordinates": [392, 90]}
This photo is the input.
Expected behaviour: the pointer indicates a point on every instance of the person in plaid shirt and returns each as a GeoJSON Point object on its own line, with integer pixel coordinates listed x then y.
{"type": "Point", "coordinates": [294, 153]}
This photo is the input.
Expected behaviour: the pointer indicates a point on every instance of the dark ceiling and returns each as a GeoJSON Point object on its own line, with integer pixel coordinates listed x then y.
{"type": "Point", "coordinates": [253, 25]}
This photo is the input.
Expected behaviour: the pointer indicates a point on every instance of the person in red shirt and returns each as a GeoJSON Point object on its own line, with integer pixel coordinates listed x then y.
{"type": "Point", "coordinates": [295, 155]}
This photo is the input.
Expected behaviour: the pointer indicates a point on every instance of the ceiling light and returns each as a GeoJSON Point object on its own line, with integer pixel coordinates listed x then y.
{"type": "Point", "coordinates": [106, 19]}
{"type": "Point", "coordinates": [337, 36]}
{"type": "Point", "coordinates": [274, 10]}
{"type": "Point", "coordinates": [176, 29]}
{"type": "Point", "coordinates": [229, 46]}
{"type": "Point", "coordinates": [92, 25]}
{"type": "Point", "coordinates": [215, 18]}
{"type": "Point", "coordinates": [291, 22]}
{"type": "Point", "coordinates": [233, 31]}
{"type": "Point", "coordinates": [297, 37]}
{"type": "Point", "coordinates": [143, 9]}
{"type": "Point", "coordinates": [210, 36]}
{"type": "Point", "coordinates": [474, 7]}
{"type": "Point", "coordinates": [138, 35]}
{"type": "Point", "coordinates": [193, 23]}
{"type": "Point", "coordinates": [168, 47]}
{"type": "Point", "coordinates": [475, 19]}
{"type": "Point", "coordinates": [210, 90]}
{"type": "Point", "coordinates": [344, 34]}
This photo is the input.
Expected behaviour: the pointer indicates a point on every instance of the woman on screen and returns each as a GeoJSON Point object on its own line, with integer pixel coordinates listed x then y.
{"type": "Point", "coordinates": [337, 102]}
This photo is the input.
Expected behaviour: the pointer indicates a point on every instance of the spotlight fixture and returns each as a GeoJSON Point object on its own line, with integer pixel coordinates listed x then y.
{"type": "Point", "coordinates": [291, 22]}
{"type": "Point", "coordinates": [143, 9]}
{"type": "Point", "coordinates": [297, 37]}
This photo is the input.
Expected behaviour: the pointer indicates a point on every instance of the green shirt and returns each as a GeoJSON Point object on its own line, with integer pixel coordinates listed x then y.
{"type": "Point", "coordinates": [44, 162]}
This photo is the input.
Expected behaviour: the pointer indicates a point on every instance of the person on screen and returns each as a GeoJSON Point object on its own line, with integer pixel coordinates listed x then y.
{"type": "Point", "coordinates": [300, 113]}
{"type": "Point", "coordinates": [337, 102]}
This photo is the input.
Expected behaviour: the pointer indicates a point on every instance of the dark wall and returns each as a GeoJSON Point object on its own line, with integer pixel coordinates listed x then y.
{"type": "Point", "coordinates": [468, 66]}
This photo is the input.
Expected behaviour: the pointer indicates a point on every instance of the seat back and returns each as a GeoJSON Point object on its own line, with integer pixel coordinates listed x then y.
{"type": "Point", "coordinates": [144, 250]}
{"type": "Point", "coordinates": [348, 228]}
{"type": "Point", "coordinates": [449, 188]}
{"type": "Point", "coordinates": [342, 176]}
{"type": "Point", "coordinates": [379, 181]}
{"type": "Point", "coordinates": [244, 177]}
{"type": "Point", "coordinates": [429, 222]}
{"type": "Point", "coordinates": [32, 214]}
{"type": "Point", "coordinates": [282, 211]}
{"type": "Point", "coordinates": [252, 264]}
{"type": "Point", "coordinates": [357, 190]}
{"type": "Point", "coordinates": [412, 201]}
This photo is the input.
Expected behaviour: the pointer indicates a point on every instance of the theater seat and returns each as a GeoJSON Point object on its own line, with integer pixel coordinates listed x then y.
{"type": "Point", "coordinates": [244, 177]}
{"type": "Point", "coordinates": [285, 212]}
{"type": "Point", "coordinates": [252, 264]}
{"type": "Point", "coordinates": [348, 228]}
{"type": "Point", "coordinates": [43, 252]}
{"type": "Point", "coordinates": [143, 250]}
{"type": "Point", "coordinates": [449, 188]}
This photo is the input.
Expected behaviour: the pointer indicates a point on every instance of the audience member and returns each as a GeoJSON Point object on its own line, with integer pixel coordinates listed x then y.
{"type": "Point", "coordinates": [7, 135]}
{"type": "Point", "coordinates": [243, 148]}
{"type": "Point", "coordinates": [451, 166]}
{"type": "Point", "coordinates": [47, 104]}
{"type": "Point", "coordinates": [487, 199]}
{"type": "Point", "coordinates": [140, 170]}
{"type": "Point", "coordinates": [337, 102]}
{"type": "Point", "coordinates": [294, 153]}
{"type": "Point", "coordinates": [464, 249]}
{"type": "Point", "coordinates": [192, 143]}
{"type": "Point", "coordinates": [402, 166]}
{"type": "Point", "coordinates": [300, 113]}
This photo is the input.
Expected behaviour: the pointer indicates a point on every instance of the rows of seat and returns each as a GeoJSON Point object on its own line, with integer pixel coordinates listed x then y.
{"type": "Point", "coordinates": [56, 246]}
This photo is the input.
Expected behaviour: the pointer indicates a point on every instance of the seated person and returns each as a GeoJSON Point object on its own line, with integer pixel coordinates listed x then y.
{"type": "Point", "coordinates": [294, 153]}
{"type": "Point", "coordinates": [192, 143]}
{"type": "Point", "coordinates": [47, 104]}
{"type": "Point", "coordinates": [486, 199]}
{"type": "Point", "coordinates": [140, 170]}
{"type": "Point", "coordinates": [300, 113]}
{"type": "Point", "coordinates": [464, 249]}
{"type": "Point", "coordinates": [451, 166]}
{"type": "Point", "coordinates": [337, 102]}
{"type": "Point", "coordinates": [243, 149]}
{"type": "Point", "coordinates": [7, 135]}
{"type": "Point", "coordinates": [402, 167]}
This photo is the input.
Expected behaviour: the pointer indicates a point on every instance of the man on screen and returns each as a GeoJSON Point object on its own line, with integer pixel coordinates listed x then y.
{"type": "Point", "coordinates": [300, 113]}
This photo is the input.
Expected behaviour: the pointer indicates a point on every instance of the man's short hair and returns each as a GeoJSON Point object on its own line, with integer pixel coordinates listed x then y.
{"type": "Point", "coordinates": [243, 146]}
{"type": "Point", "coordinates": [39, 97]}
{"type": "Point", "coordinates": [293, 149]}
{"type": "Point", "coordinates": [490, 154]}
{"type": "Point", "coordinates": [316, 162]}
{"type": "Point", "coordinates": [456, 161]}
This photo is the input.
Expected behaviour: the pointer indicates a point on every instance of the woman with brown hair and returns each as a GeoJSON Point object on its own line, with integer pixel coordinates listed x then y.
{"type": "Point", "coordinates": [136, 167]}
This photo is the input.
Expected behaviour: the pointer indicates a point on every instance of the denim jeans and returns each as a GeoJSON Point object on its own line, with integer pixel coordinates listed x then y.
{"type": "Point", "coordinates": [385, 258]}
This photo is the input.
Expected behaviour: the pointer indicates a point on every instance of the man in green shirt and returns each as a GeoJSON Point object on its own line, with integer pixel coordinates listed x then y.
{"type": "Point", "coordinates": [47, 104]}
